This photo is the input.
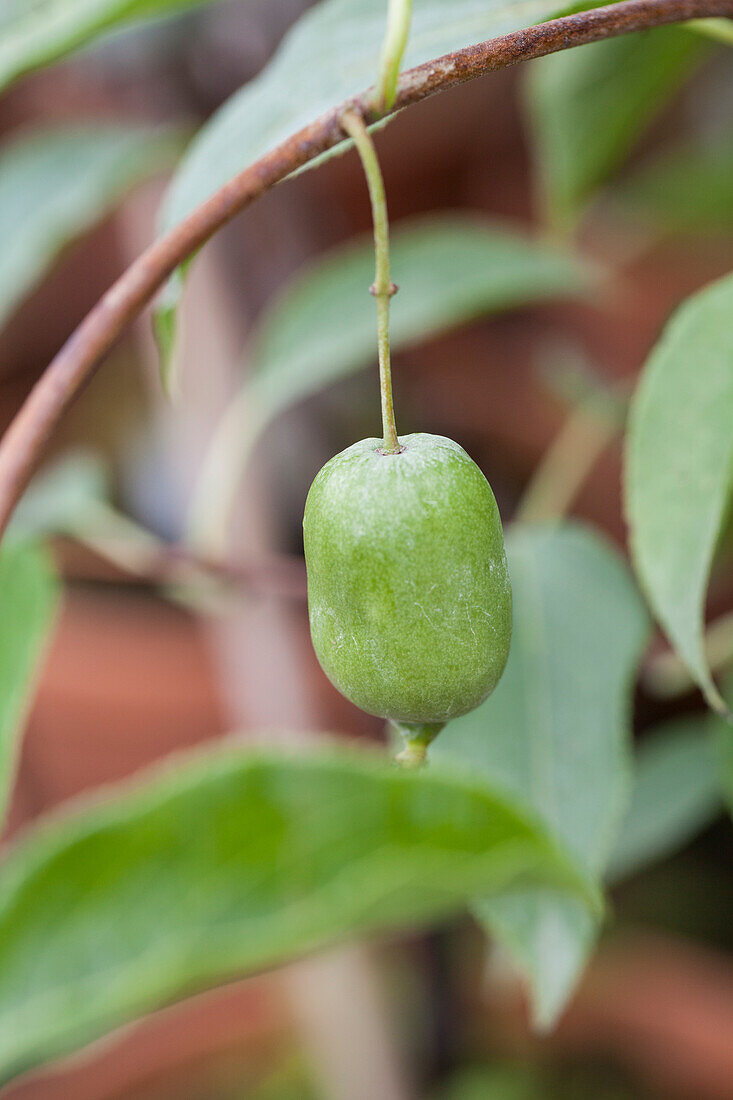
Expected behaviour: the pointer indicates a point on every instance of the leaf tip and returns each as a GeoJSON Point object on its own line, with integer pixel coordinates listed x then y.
{"type": "Point", "coordinates": [716, 702]}
{"type": "Point", "coordinates": [164, 331]}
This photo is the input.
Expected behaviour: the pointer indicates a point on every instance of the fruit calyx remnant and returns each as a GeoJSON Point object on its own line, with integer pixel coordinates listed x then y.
{"type": "Point", "coordinates": [416, 737]}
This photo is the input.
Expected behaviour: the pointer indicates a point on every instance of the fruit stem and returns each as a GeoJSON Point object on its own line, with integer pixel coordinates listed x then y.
{"type": "Point", "coordinates": [393, 49]}
{"type": "Point", "coordinates": [383, 288]}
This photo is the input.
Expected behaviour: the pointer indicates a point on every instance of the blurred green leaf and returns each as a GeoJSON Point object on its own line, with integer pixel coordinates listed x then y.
{"type": "Point", "coordinates": [723, 734]}
{"type": "Point", "coordinates": [62, 496]}
{"type": "Point", "coordinates": [495, 1083]}
{"type": "Point", "coordinates": [688, 189]}
{"type": "Point", "coordinates": [266, 111]}
{"type": "Point", "coordinates": [34, 33]}
{"type": "Point", "coordinates": [676, 793]}
{"type": "Point", "coordinates": [679, 468]}
{"type": "Point", "coordinates": [555, 732]}
{"type": "Point", "coordinates": [726, 763]}
{"type": "Point", "coordinates": [302, 82]}
{"type": "Point", "coordinates": [538, 1079]}
{"type": "Point", "coordinates": [290, 1079]}
{"type": "Point", "coordinates": [587, 107]}
{"type": "Point", "coordinates": [323, 326]}
{"type": "Point", "coordinates": [232, 862]}
{"type": "Point", "coordinates": [71, 497]}
{"type": "Point", "coordinates": [28, 597]}
{"type": "Point", "coordinates": [450, 268]}
{"type": "Point", "coordinates": [56, 184]}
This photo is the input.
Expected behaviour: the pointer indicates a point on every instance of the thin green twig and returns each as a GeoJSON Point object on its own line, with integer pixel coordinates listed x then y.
{"type": "Point", "coordinates": [393, 49]}
{"type": "Point", "coordinates": [568, 460]}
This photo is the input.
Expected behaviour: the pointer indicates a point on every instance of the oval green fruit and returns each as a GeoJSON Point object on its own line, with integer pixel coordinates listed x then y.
{"type": "Point", "coordinates": [408, 590]}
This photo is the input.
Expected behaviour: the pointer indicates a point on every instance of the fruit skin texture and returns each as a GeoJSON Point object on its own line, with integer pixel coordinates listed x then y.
{"type": "Point", "coordinates": [408, 590]}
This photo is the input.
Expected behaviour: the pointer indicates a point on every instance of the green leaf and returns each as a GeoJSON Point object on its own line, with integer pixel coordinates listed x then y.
{"type": "Point", "coordinates": [688, 189]}
{"type": "Point", "coordinates": [62, 496]}
{"type": "Point", "coordinates": [499, 1082]}
{"type": "Point", "coordinates": [723, 736]}
{"type": "Point", "coordinates": [450, 269]}
{"type": "Point", "coordinates": [71, 497]}
{"type": "Point", "coordinates": [587, 107]}
{"type": "Point", "coordinates": [323, 326]}
{"type": "Point", "coordinates": [555, 732]}
{"type": "Point", "coordinates": [302, 82]}
{"type": "Point", "coordinates": [34, 33]}
{"type": "Point", "coordinates": [676, 793]}
{"type": "Point", "coordinates": [679, 468]}
{"type": "Point", "coordinates": [726, 762]}
{"type": "Point", "coordinates": [233, 862]}
{"type": "Point", "coordinates": [266, 111]}
{"type": "Point", "coordinates": [28, 597]}
{"type": "Point", "coordinates": [56, 184]}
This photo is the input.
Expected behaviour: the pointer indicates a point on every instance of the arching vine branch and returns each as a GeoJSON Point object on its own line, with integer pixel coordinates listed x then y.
{"type": "Point", "coordinates": [76, 362]}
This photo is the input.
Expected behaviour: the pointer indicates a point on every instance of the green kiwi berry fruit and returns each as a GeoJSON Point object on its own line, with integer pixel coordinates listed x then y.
{"type": "Point", "coordinates": [408, 591]}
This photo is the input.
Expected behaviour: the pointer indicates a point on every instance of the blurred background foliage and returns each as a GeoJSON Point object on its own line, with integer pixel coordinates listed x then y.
{"type": "Point", "coordinates": [540, 253]}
